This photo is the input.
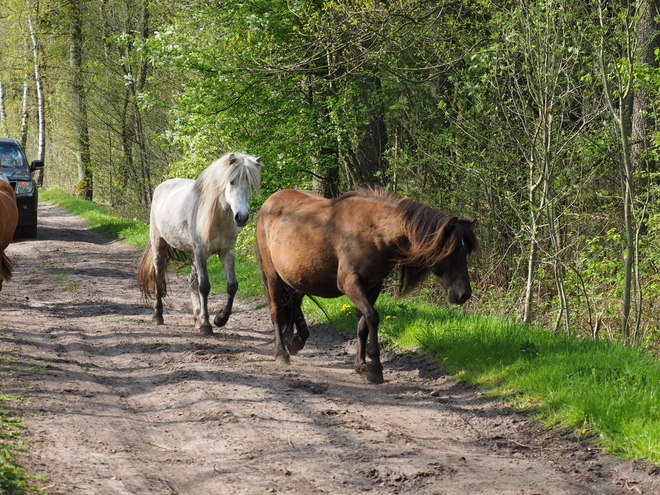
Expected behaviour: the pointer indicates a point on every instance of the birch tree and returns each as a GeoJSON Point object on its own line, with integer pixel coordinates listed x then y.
{"type": "Point", "coordinates": [39, 91]}
{"type": "Point", "coordinates": [3, 113]}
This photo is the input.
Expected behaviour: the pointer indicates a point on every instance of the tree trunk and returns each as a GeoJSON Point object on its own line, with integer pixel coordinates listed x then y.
{"type": "Point", "coordinates": [373, 140]}
{"type": "Point", "coordinates": [647, 43]}
{"type": "Point", "coordinates": [41, 115]}
{"type": "Point", "coordinates": [3, 114]}
{"type": "Point", "coordinates": [325, 180]}
{"type": "Point", "coordinates": [627, 178]}
{"type": "Point", "coordinates": [620, 103]}
{"type": "Point", "coordinates": [532, 259]}
{"type": "Point", "coordinates": [25, 114]}
{"type": "Point", "coordinates": [85, 177]}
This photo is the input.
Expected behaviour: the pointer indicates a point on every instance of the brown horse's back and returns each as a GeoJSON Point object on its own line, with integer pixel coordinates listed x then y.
{"type": "Point", "coordinates": [8, 222]}
{"type": "Point", "coordinates": [310, 241]}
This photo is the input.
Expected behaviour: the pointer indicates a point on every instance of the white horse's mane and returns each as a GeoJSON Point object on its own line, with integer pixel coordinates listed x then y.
{"type": "Point", "coordinates": [211, 183]}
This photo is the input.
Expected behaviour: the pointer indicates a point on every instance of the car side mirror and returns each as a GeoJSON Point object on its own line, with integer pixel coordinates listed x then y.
{"type": "Point", "coordinates": [36, 165]}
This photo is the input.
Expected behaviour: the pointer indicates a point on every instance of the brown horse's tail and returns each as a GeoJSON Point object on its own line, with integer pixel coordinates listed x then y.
{"type": "Point", "coordinates": [146, 274]}
{"type": "Point", "coordinates": [5, 269]}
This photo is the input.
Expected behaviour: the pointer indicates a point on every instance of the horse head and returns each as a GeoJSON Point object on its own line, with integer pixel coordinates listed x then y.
{"type": "Point", "coordinates": [452, 271]}
{"type": "Point", "coordinates": [243, 177]}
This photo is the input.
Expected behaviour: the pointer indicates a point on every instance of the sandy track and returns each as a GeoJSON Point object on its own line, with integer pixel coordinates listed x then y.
{"type": "Point", "coordinates": [116, 405]}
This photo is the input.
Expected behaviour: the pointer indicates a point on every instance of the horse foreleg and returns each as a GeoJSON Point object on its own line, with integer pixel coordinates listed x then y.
{"type": "Point", "coordinates": [361, 347]}
{"type": "Point", "coordinates": [228, 265]}
{"type": "Point", "coordinates": [204, 287]}
{"type": "Point", "coordinates": [375, 368]}
{"type": "Point", "coordinates": [367, 327]}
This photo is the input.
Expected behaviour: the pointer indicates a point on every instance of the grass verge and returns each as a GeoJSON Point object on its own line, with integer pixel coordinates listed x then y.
{"type": "Point", "coordinates": [13, 477]}
{"type": "Point", "coordinates": [608, 392]}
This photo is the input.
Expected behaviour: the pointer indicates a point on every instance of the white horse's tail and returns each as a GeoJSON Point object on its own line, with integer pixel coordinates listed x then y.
{"type": "Point", "coordinates": [146, 274]}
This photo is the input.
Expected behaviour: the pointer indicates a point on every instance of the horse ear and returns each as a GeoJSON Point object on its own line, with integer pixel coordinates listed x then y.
{"type": "Point", "coordinates": [258, 160]}
{"type": "Point", "coordinates": [231, 158]}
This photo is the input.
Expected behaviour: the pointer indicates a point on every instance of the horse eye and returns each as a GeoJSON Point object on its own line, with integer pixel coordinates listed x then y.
{"type": "Point", "coordinates": [231, 183]}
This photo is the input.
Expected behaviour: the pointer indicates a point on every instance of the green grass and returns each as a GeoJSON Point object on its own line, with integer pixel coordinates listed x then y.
{"type": "Point", "coordinates": [100, 219]}
{"type": "Point", "coordinates": [608, 392]}
{"type": "Point", "coordinates": [13, 477]}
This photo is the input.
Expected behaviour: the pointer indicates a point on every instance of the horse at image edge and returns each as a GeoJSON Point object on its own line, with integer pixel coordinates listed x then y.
{"type": "Point", "coordinates": [8, 222]}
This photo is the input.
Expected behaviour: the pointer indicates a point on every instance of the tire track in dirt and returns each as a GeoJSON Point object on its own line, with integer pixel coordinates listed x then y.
{"type": "Point", "coordinates": [116, 405]}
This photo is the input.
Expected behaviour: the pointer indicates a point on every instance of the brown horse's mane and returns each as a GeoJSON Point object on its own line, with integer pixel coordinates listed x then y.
{"type": "Point", "coordinates": [370, 191]}
{"type": "Point", "coordinates": [430, 234]}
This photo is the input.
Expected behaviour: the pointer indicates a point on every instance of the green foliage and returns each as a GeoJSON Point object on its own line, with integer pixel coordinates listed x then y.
{"type": "Point", "coordinates": [13, 478]}
{"type": "Point", "coordinates": [454, 107]}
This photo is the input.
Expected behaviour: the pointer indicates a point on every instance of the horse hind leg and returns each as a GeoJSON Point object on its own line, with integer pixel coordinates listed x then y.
{"type": "Point", "coordinates": [297, 340]}
{"type": "Point", "coordinates": [279, 317]}
{"type": "Point", "coordinates": [160, 269]}
{"type": "Point", "coordinates": [5, 269]}
{"type": "Point", "coordinates": [194, 294]}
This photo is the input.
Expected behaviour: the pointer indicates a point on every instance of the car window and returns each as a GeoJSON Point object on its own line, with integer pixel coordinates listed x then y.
{"type": "Point", "coordinates": [11, 157]}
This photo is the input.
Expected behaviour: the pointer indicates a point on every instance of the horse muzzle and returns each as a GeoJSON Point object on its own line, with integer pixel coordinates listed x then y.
{"type": "Point", "coordinates": [241, 219]}
{"type": "Point", "coordinates": [460, 298]}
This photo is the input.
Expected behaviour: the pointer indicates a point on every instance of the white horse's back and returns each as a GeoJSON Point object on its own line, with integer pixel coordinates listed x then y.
{"type": "Point", "coordinates": [171, 212]}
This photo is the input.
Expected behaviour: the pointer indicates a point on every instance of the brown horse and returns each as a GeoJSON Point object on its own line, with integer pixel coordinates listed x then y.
{"type": "Point", "coordinates": [8, 222]}
{"type": "Point", "coordinates": [309, 245]}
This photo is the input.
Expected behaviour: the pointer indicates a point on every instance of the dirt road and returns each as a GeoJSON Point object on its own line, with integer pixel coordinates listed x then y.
{"type": "Point", "coordinates": [116, 405]}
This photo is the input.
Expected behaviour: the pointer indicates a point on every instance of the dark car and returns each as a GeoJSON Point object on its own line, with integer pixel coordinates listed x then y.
{"type": "Point", "coordinates": [15, 167]}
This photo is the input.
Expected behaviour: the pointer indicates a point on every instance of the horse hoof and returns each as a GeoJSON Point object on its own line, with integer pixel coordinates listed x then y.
{"type": "Point", "coordinates": [220, 320]}
{"type": "Point", "coordinates": [373, 374]}
{"type": "Point", "coordinates": [295, 345]}
{"type": "Point", "coordinates": [375, 377]}
{"type": "Point", "coordinates": [361, 369]}
{"type": "Point", "coordinates": [282, 358]}
{"type": "Point", "coordinates": [206, 329]}
{"type": "Point", "coordinates": [158, 320]}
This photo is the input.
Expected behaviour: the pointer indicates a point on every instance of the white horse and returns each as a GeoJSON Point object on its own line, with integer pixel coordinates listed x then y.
{"type": "Point", "coordinates": [200, 217]}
